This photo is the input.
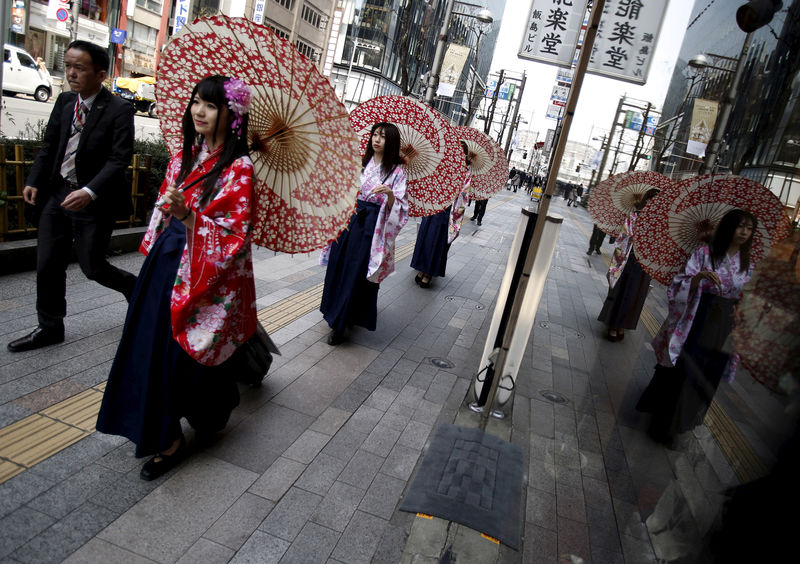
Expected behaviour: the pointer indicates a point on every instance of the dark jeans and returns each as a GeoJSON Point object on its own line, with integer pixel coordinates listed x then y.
{"type": "Point", "coordinates": [57, 230]}
{"type": "Point", "coordinates": [596, 240]}
{"type": "Point", "coordinates": [480, 209]}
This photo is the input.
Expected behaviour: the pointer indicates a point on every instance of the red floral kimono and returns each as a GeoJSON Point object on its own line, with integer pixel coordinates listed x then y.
{"type": "Point", "coordinates": [213, 307]}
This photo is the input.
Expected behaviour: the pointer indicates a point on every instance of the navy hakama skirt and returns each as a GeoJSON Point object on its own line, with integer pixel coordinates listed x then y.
{"type": "Point", "coordinates": [625, 300]}
{"type": "Point", "coordinates": [348, 298]}
{"type": "Point", "coordinates": [153, 381]}
{"type": "Point", "coordinates": [430, 252]}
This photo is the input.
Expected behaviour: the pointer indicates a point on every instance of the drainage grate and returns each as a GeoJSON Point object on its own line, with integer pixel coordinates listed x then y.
{"type": "Point", "coordinates": [442, 363]}
{"type": "Point", "coordinates": [552, 396]}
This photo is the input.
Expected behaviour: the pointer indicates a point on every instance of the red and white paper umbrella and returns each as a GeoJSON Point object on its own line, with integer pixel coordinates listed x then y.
{"type": "Point", "coordinates": [434, 161]}
{"type": "Point", "coordinates": [766, 330]}
{"type": "Point", "coordinates": [619, 195]}
{"type": "Point", "coordinates": [684, 216]}
{"type": "Point", "coordinates": [488, 165]}
{"type": "Point", "coordinates": [304, 151]}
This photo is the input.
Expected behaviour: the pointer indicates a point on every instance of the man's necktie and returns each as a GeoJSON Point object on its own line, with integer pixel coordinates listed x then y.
{"type": "Point", "coordinates": [68, 164]}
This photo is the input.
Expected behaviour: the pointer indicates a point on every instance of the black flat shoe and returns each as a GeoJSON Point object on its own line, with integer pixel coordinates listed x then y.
{"type": "Point", "coordinates": [424, 284]}
{"type": "Point", "coordinates": [612, 338]}
{"type": "Point", "coordinates": [36, 339]}
{"type": "Point", "coordinates": [418, 279]}
{"type": "Point", "coordinates": [160, 464]}
{"type": "Point", "coordinates": [335, 338]}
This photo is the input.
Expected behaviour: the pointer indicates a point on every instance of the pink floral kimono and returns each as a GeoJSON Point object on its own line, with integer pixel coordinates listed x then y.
{"type": "Point", "coordinates": [622, 251]}
{"type": "Point", "coordinates": [381, 259]}
{"type": "Point", "coordinates": [669, 341]}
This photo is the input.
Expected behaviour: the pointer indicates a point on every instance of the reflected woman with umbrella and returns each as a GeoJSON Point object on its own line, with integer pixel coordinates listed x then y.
{"type": "Point", "coordinates": [692, 347]}
{"type": "Point", "coordinates": [363, 254]}
{"type": "Point", "coordinates": [194, 300]}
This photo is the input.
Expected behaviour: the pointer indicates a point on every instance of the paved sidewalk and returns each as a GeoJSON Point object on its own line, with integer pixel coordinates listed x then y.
{"type": "Point", "coordinates": [314, 464]}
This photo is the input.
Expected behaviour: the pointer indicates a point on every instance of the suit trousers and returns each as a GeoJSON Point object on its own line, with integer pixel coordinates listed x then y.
{"type": "Point", "coordinates": [91, 233]}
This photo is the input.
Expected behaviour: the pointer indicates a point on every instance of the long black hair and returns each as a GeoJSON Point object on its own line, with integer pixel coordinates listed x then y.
{"type": "Point", "coordinates": [391, 148]}
{"type": "Point", "coordinates": [651, 193]}
{"type": "Point", "coordinates": [723, 235]}
{"type": "Point", "coordinates": [211, 89]}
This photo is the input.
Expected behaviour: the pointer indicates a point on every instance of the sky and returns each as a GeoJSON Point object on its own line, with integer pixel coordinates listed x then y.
{"type": "Point", "coordinates": [599, 95]}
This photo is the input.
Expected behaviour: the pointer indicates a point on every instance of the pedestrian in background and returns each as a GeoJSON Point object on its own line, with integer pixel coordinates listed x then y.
{"type": "Point", "coordinates": [363, 255]}
{"type": "Point", "coordinates": [480, 210]}
{"type": "Point", "coordinates": [628, 284]}
{"type": "Point", "coordinates": [77, 183]}
{"type": "Point", "coordinates": [194, 302]}
{"type": "Point", "coordinates": [595, 240]}
{"type": "Point", "coordinates": [692, 347]}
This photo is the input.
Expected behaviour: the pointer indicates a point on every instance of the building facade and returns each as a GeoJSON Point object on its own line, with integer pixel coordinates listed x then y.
{"type": "Point", "coordinates": [763, 134]}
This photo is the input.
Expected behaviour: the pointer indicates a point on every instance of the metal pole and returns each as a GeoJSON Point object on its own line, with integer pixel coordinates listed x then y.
{"type": "Point", "coordinates": [514, 122]}
{"type": "Point", "coordinates": [73, 27]}
{"type": "Point", "coordinates": [712, 152]}
{"type": "Point", "coordinates": [487, 124]}
{"type": "Point", "coordinates": [637, 149]}
{"type": "Point", "coordinates": [610, 137]}
{"type": "Point", "coordinates": [438, 58]}
{"type": "Point", "coordinates": [544, 203]}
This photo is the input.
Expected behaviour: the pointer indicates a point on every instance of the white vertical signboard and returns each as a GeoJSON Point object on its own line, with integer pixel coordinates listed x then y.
{"type": "Point", "coordinates": [626, 39]}
{"type": "Point", "coordinates": [552, 30]}
{"type": "Point", "coordinates": [181, 15]}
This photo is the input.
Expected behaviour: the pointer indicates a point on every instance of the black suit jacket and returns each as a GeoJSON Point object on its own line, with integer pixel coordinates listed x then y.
{"type": "Point", "coordinates": [104, 152]}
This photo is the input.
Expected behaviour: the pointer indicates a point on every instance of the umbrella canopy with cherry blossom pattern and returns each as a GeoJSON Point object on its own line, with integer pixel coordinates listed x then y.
{"type": "Point", "coordinates": [304, 151]}
{"type": "Point", "coordinates": [488, 165]}
{"type": "Point", "coordinates": [614, 199]}
{"type": "Point", "coordinates": [682, 217]}
{"type": "Point", "coordinates": [434, 161]}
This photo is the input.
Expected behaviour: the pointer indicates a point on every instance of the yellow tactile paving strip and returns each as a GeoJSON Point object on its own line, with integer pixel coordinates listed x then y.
{"type": "Point", "coordinates": [740, 454]}
{"type": "Point", "coordinates": [41, 435]}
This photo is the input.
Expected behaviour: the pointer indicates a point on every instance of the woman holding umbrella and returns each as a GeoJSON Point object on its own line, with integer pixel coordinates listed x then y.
{"type": "Point", "coordinates": [437, 232]}
{"type": "Point", "coordinates": [628, 284]}
{"type": "Point", "coordinates": [691, 346]}
{"type": "Point", "coordinates": [363, 255]}
{"type": "Point", "coordinates": [194, 300]}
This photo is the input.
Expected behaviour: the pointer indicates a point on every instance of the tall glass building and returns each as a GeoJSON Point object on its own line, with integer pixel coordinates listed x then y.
{"type": "Point", "coordinates": [763, 134]}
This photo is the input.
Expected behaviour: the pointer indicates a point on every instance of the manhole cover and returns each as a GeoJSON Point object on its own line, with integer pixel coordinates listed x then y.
{"type": "Point", "coordinates": [552, 396]}
{"type": "Point", "coordinates": [441, 363]}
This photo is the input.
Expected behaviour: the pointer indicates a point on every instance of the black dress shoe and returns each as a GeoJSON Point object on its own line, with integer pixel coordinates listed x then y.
{"type": "Point", "coordinates": [424, 284]}
{"type": "Point", "coordinates": [37, 339]}
{"type": "Point", "coordinates": [160, 464]}
{"type": "Point", "coordinates": [336, 338]}
{"type": "Point", "coordinates": [418, 279]}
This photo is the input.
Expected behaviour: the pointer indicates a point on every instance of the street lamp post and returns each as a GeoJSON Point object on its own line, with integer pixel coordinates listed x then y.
{"type": "Point", "coordinates": [483, 16]}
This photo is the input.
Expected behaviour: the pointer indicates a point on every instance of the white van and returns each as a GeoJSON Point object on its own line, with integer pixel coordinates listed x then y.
{"type": "Point", "coordinates": [22, 75]}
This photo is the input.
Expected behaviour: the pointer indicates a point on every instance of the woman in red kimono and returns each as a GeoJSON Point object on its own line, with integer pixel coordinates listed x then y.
{"type": "Point", "coordinates": [194, 301]}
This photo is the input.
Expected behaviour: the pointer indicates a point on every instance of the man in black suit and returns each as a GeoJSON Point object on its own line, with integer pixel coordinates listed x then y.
{"type": "Point", "coordinates": [78, 183]}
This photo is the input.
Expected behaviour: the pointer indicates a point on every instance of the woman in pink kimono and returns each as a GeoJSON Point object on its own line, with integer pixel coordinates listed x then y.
{"type": "Point", "coordinates": [628, 284]}
{"type": "Point", "coordinates": [693, 348]}
{"type": "Point", "coordinates": [194, 299]}
{"type": "Point", "coordinates": [363, 255]}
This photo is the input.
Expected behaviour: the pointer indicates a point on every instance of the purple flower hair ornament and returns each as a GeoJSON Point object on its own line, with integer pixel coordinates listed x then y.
{"type": "Point", "coordinates": [238, 95]}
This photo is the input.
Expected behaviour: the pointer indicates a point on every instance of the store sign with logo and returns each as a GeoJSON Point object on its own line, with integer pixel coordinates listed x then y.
{"type": "Point", "coordinates": [552, 31]}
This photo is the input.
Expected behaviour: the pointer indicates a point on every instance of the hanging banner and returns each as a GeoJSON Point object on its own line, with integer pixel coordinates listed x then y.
{"type": "Point", "coordinates": [18, 16]}
{"type": "Point", "coordinates": [548, 142]}
{"type": "Point", "coordinates": [258, 11]}
{"type": "Point", "coordinates": [453, 64]}
{"type": "Point", "coordinates": [626, 39]}
{"type": "Point", "coordinates": [704, 116]}
{"type": "Point", "coordinates": [552, 31]}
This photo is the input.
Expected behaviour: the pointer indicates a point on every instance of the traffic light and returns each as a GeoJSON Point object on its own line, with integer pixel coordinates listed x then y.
{"type": "Point", "coordinates": [578, 168]}
{"type": "Point", "coordinates": [756, 14]}
{"type": "Point", "coordinates": [524, 155]}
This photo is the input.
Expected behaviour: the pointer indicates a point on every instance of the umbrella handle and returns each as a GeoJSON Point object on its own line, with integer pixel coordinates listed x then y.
{"type": "Point", "coordinates": [160, 202]}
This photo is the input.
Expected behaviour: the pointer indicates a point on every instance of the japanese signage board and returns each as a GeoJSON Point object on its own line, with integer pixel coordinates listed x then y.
{"type": "Point", "coordinates": [553, 111]}
{"type": "Point", "coordinates": [118, 35]}
{"type": "Point", "coordinates": [507, 90]}
{"type": "Point", "coordinates": [559, 94]}
{"type": "Point", "coordinates": [552, 31]}
{"type": "Point", "coordinates": [626, 39]}
{"type": "Point", "coordinates": [634, 120]}
{"type": "Point", "coordinates": [548, 142]}
{"type": "Point", "coordinates": [564, 76]}
{"type": "Point", "coordinates": [17, 16]}
{"type": "Point", "coordinates": [181, 15]}
{"type": "Point", "coordinates": [258, 11]}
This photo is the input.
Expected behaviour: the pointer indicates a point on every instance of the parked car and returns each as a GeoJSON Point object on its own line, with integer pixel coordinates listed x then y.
{"type": "Point", "coordinates": [21, 75]}
{"type": "Point", "coordinates": [140, 92]}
